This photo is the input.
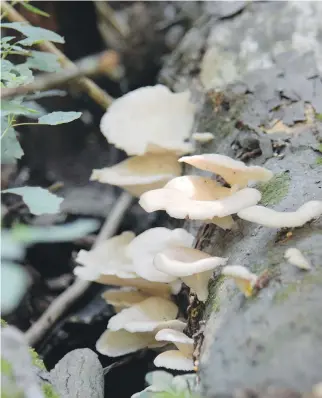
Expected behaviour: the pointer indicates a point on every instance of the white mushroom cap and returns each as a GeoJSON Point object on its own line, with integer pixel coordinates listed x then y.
{"type": "Point", "coordinates": [244, 279]}
{"type": "Point", "coordinates": [150, 120]}
{"type": "Point", "coordinates": [107, 258]}
{"type": "Point", "coordinates": [295, 257]}
{"type": "Point", "coordinates": [198, 188]}
{"type": "Point", "coordinates": [193, 266]}
{"type": "Point", "coordinates": [233, 171]}
{"type": "Point", "coordinates": [115, 344]}
{"type": "Point", "coordinates": [278, 219]}
{"type": "Point", "coordinates": [203, 137]}
{"type": "Point", "coordinates": [198, 198]}
{"type": "Point", "coordinates": [145, 246]}
{"type": "Point", "coordinates": [124, 297]}
{"type": "Point", "coordinates": [150, 288]}
{"type": "Point", "coordinates": [178, 338]}
{"type": "Point", "coordinates": [183, 261]}
{"type": "Point", "coordinates": [108, 264]}
{"type": "Point", "coordinates": [176, 286]}
{"type": "Point", "coordinates": [145, 316]}
{"type": "Point", "coordinates": [198, 283]}
{"type": "Point", "coordinates": [140, 173]}
{"type": "Point", "coordinates": [173, 359]}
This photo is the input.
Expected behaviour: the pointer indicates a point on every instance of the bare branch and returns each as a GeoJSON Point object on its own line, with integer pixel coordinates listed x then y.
{"type": "Point", "coordinates": [105, 62]}
{"type": "Point", "coordinates": [79, 287]}
{"type": "Point", "coordinates": [107, 13]}
{"type": "Point", "coordinates": [86, 84]}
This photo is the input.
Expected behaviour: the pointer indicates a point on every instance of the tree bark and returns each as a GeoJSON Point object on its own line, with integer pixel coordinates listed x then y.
{"type": "Point", "coordinates": [255, 73]}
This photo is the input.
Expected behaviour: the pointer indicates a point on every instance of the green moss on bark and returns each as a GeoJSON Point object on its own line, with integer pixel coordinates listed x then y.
{"type": "Point", "coordinates": [6, 368]}
{"type": "Point", "coordinates": [49, 391]}
{"type": "Point", "coordinates": [36, 361]}
{"type": "Point", "coordinates": [274, 190]}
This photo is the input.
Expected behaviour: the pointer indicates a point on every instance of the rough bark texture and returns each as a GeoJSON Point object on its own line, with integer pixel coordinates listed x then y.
{"type": "Point", "coordinates": [22, 374]}
{"type": "Point", "coordinates": [266, 117]}
{"type": "Point", "coordinates": [79, 375]}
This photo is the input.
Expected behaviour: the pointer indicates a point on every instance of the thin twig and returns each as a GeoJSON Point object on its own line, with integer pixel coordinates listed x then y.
{"type": "Point", "coordinates": [91, 88]}
{"type": "Point", "coordinates": [107, 13]}
{"type": "Point", "coordinates": [95, 64]}
{"type": "Point", "coordinates": [79, 287]}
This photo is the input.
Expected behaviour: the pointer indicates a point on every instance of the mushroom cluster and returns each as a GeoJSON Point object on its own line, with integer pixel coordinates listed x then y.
{"type": "Point", "coordinates": [151, 268]}
{"type": "Point", "coordinates": [153, 126]}
{"type": "Point", "coordinates": [201, 198]}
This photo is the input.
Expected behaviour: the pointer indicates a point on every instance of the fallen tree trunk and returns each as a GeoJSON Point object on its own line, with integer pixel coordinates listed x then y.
{"type": "Point", "coordinates": [254, 71]}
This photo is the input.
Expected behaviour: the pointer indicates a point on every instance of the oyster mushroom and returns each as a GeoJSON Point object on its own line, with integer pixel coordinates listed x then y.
{"type": "Point", "coordinates": [150, 120]}
{"type": "Point", "coordinates": [180, 359]}
{"type": "Point", "coordinates": [233, 171]}
{"type": "Point", "coordinates": [244, 279]}
{"type": "Point", "coordinates": [124, 297]}
{"type": "Point", "coordinates": [192, 266]}
{"type": "Point", "coordinates": [145, 246]}
{"type": "Point", "coordinates": [145, 316]}
{"type": "Point", "coordinates": [115, 344]}
{"type": "Point", "coordinates": [108, 264]}
{"type": "Point", "coordinates": [121, 342]}
{"type": "Point", "coordinates": [278, 219]}
{"type": "Point", "coordinates": [139, 174]}
{"type": "Point", "coordinates": [199, 198]}
{"type": "Point", "coordinates": [295, 257]}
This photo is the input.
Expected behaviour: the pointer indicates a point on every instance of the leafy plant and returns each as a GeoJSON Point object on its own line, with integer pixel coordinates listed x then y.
{"type": "Point", "coordinates": [164, 385]}
{"type": "Point", "coordinates": [39, 200]}
{"type": "Point", "coordinates": [14, 76]}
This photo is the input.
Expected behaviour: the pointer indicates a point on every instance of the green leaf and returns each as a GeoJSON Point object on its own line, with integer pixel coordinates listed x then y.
{"type": "Point", "coordinates": [34, 105]}
{"type": "Point", "coordinates": [14, 283]}
{"type": "Point", "coordinates": [4, 43]}
{"type": "Point", "coordinates": [6, 66]}
{"type": "Point", "coordinates": [10, 147]}
{"type": "Point", "coordinates": [14, 108]}
{"type": "Point", "coordinates": [34, 34]}
{"type": "Point", "coordinates": [15, 47]}
{"type": "Point", "coordinates": [55, 118]}
{"type": "Point", "coordinates": [7, 39]}
{"type": "Point", "coordinates": [45, 62]}
{"type": "Point", "coordinates": [16, 76]}
{"type": "Point", "coordinates": [34, 9]}
{"type": "Point", "coordinates": [55, 233]}
{"type": "Point", "coordinates": [38, 200]}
